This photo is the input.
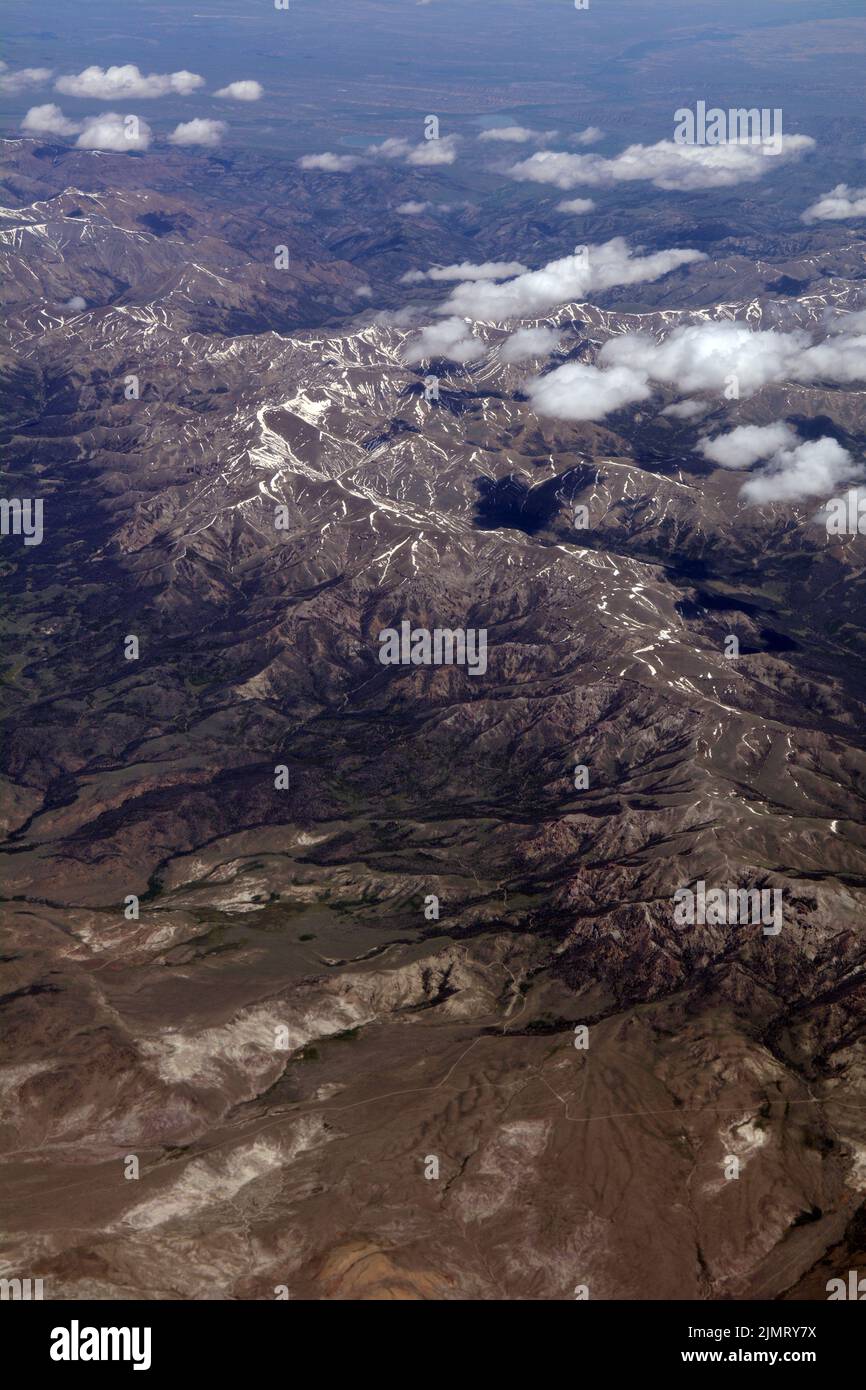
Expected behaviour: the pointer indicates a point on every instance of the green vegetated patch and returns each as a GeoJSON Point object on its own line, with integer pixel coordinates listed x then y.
{"type": "Point", "coordinates": [813, 1139]}
{"type": "Point", "coordinates": [345, 904]}
{"type": "Point", "coordinates": [154, 888]}
{"type": "Point", "coordinates": [212, 943]}
{"type": "Point", "coordinates": [348, 1035]}
{"type": "Point", "coordinates": [340, 792]}
{"type": "Point", "coordinates": [194, 676]}
{"type": "Point", "coordinates": [274, 913]}
{"type": "Point", "coordinates": [518, 901]}
{"type": "Point", "coordinates": [353, 905]}
{"type": "Point", "coordinates": [311, 1053]}
{"type": "Point", "coordinates": [272, 909]}
{"type": "Point", "coordinates": [546, 1024]}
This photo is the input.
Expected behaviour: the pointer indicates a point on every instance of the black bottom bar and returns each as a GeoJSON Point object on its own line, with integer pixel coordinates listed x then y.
{"type": "Point", "coordinates": [234, 1338]}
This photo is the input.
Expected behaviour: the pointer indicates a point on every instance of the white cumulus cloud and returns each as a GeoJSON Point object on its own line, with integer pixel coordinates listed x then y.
{"type": "Point", "coordinates": [114, 83]}
{"type": "Point", "coordinates": [816, 468]}
{"type": "Point", "coordinates": [198, 132]}
{"type": "Point", "coordinates": [842, 201]}
{"type": "Point", "coordinates": [395, 147]}
{"type": "Point", "coordinates": [530, 342]}
{"type": "Point", "coordinates": [425, 153]}
{"type": "Point", "coordinates": [413, 207]}
{"type": "Point", "coordinates": [329, 163]}
{"type": "Point", "coordinates": [572, 277]}
{"type": "Point", "coordinates": [666, 165]}
{"type": "Point", "coordinates": [451, 338]}
{"type": "Point", "coordinates": [14, 82]}
{"type": "Point", "coordinates": [685, 410]}
{"type": "Point", "coordinates": [848, 323]}
{"type": "Point", "coordinates": [708, 357]}
{"type": "Point", "coordinates": [742, 447]}
{"type": "Point", "coordinates": [466, 270]}
{"type": "Point", "coordinates": [241, 91]}
{"type": "Point", "coordinates": [703, 357]}
{"type": "Point", "coordinates": [111, 131]}
{"type": "Point", "coordinates": [431, 152]}
{"type": "Point", "coordinates": [841, 359]}
{"type": "Point", "coordinates": [590, 136]}
{"type": "Point", "coordinates": [577, 205]}
{"type": "Point", "coordinates": [48, 120]}
{"type": "Point", "coordinates": [516, 134]}
{"type": "Point", "coordinates": [794, 469]}
{"type": "Point", "coordinates": [578, 391]}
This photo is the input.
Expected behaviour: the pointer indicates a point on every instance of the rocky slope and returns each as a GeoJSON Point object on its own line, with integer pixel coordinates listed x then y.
{"type": "Point", "coordinates": [286, 1037]}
